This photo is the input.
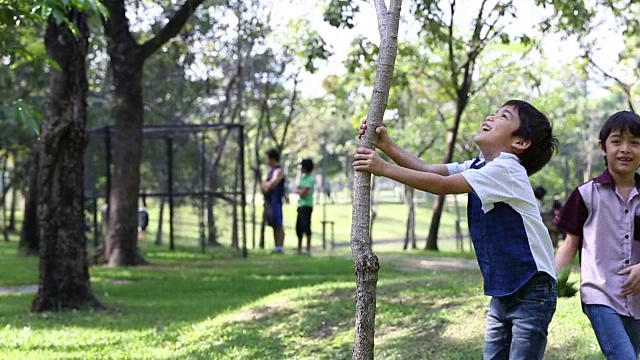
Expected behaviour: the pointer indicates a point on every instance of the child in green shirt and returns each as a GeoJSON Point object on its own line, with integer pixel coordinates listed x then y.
{"type": "Point", "coordinates": [305, 203]}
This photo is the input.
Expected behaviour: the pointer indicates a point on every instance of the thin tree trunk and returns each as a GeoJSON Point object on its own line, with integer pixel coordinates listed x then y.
{"type": "Point", "coordinates": [263, 226]}
{"type": "Point", "coordinates": [3, 170]}
{"type": "Point", "coordinates": [372, 207]}
{"type": "Point", "coordinates": [14, 197]}
{"type": "Point", "coordinates": [211, 203]}
{"type": "Point", "coordinates": [438, 206]}
{"type": "Point", "coordinates": [212, 239]}
{"type": "Point", "coordinates": [253, 213]}
{"type": "Point", "coordinates": [29, 241]}
{"type": "Point", "coordinates": [366, 262]}
{"type": "Point", "coordinates": [459, 238]}
{"type": "Point", "coordinates": [64, 277]}
{"type": "Point", "coordinates": [410, 234]}
{"type": "Point", "coordinates": [158, 241]}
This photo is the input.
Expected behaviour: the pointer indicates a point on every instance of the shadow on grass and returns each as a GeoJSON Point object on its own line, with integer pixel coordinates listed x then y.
{"type": "Point", "coordinates": [317, 322]}
{"type": "Point", "coordinates": [424, 317]}
{"type": "Point", "coordinates": [176, 296]}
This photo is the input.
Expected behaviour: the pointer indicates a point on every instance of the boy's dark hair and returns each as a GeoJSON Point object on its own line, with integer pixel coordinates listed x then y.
{"type": "Point", "coordinates": [539, 192]}
{"type": "Point", "coordinates": [307, 165]}
{"type": "Point", "coordinates": [273, 154]}
{"type": "Point", "coordinates": [557, 205]}
{"type": "Point", "coordinates": [623, 121]}
{"type": "Point", "coordinates": [535, 127]}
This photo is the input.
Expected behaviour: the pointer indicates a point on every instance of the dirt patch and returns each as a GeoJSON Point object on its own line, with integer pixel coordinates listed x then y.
{"type": "Point", "coordinates": [32, 289]}
{"type": "Point", "coordinates": [416, 264]}
{"type": "Point", "coordinates": [262, 311]}
{"type": "Point", "coordinates": [26, 289]}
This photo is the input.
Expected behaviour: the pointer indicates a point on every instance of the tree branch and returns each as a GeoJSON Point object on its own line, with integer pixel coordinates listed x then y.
{"type": "Point", "coordinates": [171, 29]}
{"type": "Point", "coordinates": [116, 26]}
{"type": "Point", "coordinates": [227, 93]}
{"type": "Point", "coordinates": [289, 117]}
{"type": "Point", "coordinates": [426, 147]}
{"type": "Point", "coordinates": [626, 88]}
{"type": "Point", "coordinates": [381, 12]}
{"type": "Point", "coordinates": [490, 30]}
{"type": "Point", "coordinates": [485, 81]}
{"type": "Point", "coordinates": [442, 84]}
{"type": "Point", "coordinates": [452, 59]}
{"type": "Point", "coordinates": [267, 114]}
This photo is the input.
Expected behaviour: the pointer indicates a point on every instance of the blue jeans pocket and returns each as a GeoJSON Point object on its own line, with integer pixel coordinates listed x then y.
{"type": "Point", "coordinates": [536, 295]}
{"type": "Point", "coordinates": [538, 290]}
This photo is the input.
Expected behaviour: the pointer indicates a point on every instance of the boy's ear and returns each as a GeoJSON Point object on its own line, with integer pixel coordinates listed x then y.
{"type": "Point", "coordinates": [603, 151]}
{"type": "Point", "coordinates": [521, 144]}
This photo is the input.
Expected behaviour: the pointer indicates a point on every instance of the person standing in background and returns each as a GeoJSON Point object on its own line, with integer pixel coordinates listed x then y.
{"type": "Point", "coordinates": [305, 203]}
{"type": "Point", "coordinates": [273, 189]}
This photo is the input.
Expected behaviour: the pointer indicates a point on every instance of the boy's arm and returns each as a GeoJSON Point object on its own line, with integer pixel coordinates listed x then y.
{"type": "Point", "coordinates": [567, 252]}
{"type": "Point", "coordinates": [303, 191]}
{"type": "Point", "coordinates": [403, 157]}
{"type": "Point", "coordinates": [428, 181]}
{"type": "Point", "coordinates": [268, 185]}
{"type": "Point", "coordinates": [411, 161]}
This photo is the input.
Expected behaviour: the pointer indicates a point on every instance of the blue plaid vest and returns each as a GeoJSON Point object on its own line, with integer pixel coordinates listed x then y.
{"type": "Point", "coordinates": [501, 244]}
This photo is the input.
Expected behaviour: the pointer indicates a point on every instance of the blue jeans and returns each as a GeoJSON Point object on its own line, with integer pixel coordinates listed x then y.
{"type": "Point", "coordinates": [618, 336]}
{"type": "Point", "coordinates": [517, 324]}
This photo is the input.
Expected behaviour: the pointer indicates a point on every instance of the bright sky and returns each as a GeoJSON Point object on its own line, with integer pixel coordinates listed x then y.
{"type": "Point", "coordinates": [556, 49]}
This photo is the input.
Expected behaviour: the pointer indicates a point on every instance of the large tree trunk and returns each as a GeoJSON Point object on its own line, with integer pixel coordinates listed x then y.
{"type": "Point", "coordinates": [438, 206]}
{"type": "Point", "coordinates": [366, 262]}
{"type": "Point", "coordinates": [121, 242]}
{"type": "Point", "coordinates": [127, 61]}
{"type": "Point", "coordinates": [29, 241]}
{"type": "Point", "coordinates": [64, 276]}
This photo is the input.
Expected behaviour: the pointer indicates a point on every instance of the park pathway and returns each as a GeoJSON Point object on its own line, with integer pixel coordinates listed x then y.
{"type": "Point", "coordinates": [416, 263]}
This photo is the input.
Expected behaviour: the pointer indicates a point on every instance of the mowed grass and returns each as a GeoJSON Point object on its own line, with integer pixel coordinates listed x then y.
{"type": "Point", "coordinates": [218, 306]}
{"type": "Point", "coordinates": [389, 227]}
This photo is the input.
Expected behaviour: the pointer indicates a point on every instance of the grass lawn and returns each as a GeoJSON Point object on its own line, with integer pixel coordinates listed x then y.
{"type": "Point", "coordinates": [217, 306]}
{"type": "Point", "coordinates": [390, 224]}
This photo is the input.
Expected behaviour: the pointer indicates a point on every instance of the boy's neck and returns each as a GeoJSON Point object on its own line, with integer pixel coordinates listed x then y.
{"type": "Point", "coordinates": [623, 180]}
{"type": "Point", "coordinates": [490, 155]}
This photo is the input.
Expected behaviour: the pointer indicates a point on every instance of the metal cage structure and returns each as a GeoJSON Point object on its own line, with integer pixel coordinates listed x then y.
{"type": "Point", "coordinates": [196, 165]}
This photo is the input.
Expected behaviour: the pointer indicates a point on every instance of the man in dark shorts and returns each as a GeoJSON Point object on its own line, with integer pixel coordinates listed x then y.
{"type": "Point", "coordinates": [273, 189]}
{"type": "Point", "coordinates": [305, 204]}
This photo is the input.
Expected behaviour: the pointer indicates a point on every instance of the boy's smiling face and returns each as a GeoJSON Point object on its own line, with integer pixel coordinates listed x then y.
{"type": "Point", "coordinates": [622, 151]}
{"type": "Point", "coordinates": [496, 133]}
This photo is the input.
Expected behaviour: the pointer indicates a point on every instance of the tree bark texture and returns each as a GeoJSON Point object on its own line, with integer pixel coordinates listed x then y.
{"type": "Point", "coordinates": [29, 241]}
{"type": "Point", "coordinates": [64, 277]}
{"type": "Point", "coordinates": [127, 62]}
{"type": "Point", "coordinates": [366, 262]}
{"type": "Point", "coordinates": [121, 242]}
